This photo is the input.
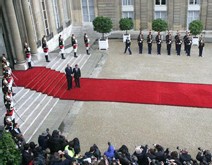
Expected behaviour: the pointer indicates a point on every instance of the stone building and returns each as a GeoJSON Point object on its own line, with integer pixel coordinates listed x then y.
{"type": "Point", "coordinates": [29, 20]}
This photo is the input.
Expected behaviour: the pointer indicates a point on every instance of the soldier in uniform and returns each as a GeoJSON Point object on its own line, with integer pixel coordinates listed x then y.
{"type": "Point", "coordinates": [149, 42]}
{"type": "Point", "coordinates": [178, 43]}
{"type": "Point", "coordinates": [185, 40]}
{"type": "Point", "coordinates": [74, 44]}
{"type": "Point", "coordinates": [77, 75]}
{"type": "Point", "coordinates": [159, 42]}
{"type": "Point", "coordinates": [140, 40]}
{"type": "Point", "coordinates": [188, 45]}
{"type": "Point", "coordinates": [169, 43]}
{"type": "Point", "coordinates": [8, 100]}
{"type": "Point", "coordinates": [201, 45]}
{"type": "Point", "coordinates": [176, 39]}
{"type": "Point", "coordinates": [28, 54]}
{"type": "Point", "coordinates": [61, 45]}
{"type": "Point", "coordinates": [127, 46]}
{"type": "Point", "coordinates": [45, 48]}
{"type": "Point", "coordinates": [86, 41]}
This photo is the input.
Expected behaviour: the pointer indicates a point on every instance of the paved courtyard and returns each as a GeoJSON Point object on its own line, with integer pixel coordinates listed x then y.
{"type": "Point", "coordinates": [136, 124]}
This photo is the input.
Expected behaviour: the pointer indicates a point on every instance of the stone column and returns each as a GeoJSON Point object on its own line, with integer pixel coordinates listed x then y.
{"type": "Point", "coordinates": [61, 13]}
{"type": "Point", "coordinates": [52, 24]}
{"type": "Point", "coordinates": [38, 20]}
{"type": "Point", "coordinates": [29, 26]}
{"type": "Point", "coordinates": [16, 39]}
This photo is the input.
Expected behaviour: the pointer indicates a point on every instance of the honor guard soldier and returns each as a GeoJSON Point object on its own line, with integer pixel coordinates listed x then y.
{"type": "Point", "coordinates": [188, 45]}
{"type": "Point", "coordinates": [5, 63]}
{"type": "Point", "coordinates": [178, 43]}
{"type": "Point", "coordinates": [74, 44]}
{"type": "Point", "coordinates": [28, 54]}
{"type": "Point", "coordinates": [127, 46]}
{"type": "Point", "coordinates": [45, 48]}
{"type": "Point", "coordinates": [8, 100]}
{"type": "Point", "coordinates": [86, 41]}
{"type": "Point", "coordinates": [158, 42]}
{"type": "Point", "coordinates": [201, 46]}
{"type": "Point", "coordinates": [185, 40]}
{"type": "Point", "coordinates": [176, 38]}
{"type": "Point", "coordinates": [140, 40]}
{"type": "Point", "coordinates": [11, 113]}
{"type": "Point", "coordinates": [62, 47]}
{"type": "Point", "coordinates": [169, 43]}
{"type": "Point", "coordinates": [149, 42]}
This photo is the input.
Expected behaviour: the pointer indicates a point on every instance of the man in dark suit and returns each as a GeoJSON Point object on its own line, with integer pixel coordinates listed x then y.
{"type": "Point", "coordinates": [77, 75]}
{"type": "Point", "coordinates": [69, 72]}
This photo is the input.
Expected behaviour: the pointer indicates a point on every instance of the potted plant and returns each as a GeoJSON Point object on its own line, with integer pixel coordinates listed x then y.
{"type": "Point", "coordinates": [195, 28]}
{"type": "Point", "coordinates": [103, 25]}
{"type": "Point", "coordinates": [126, 24]}
{"type": "Point", "coordinates": [159, 25]}
{"type": "Point", "coordinates": [9, 154]}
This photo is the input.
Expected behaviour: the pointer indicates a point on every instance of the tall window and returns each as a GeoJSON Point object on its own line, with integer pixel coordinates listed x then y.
{"type": "Point", "coordinates": [160, 2]}
{"type": "Point", "coordinates": [65, 7]}
{"type": "Point", "coordinates": [56, 13]}
{"type": "Point", "coordinates": [45, 17]}
{"type": "Point", "coordinates": [160, 9]}
{"type": "Point", "coordinates": [161, 14]}
{"type": "Point", "coordinates": [194, 2]}
{"type": "Point", "coordinates": [193, 11]}
{"type": "Point", "coordinates": [33, 20]}
{"type": "Point", "coordinates": [88, 10]}
{"type": "Point", "coordinates": [128, 9]}
{"type": "Point", "coordinates": [127, 2]}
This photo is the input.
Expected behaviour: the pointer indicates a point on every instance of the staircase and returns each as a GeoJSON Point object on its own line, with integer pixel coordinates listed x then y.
{"type": "Point", "coordinates": [37, 111]}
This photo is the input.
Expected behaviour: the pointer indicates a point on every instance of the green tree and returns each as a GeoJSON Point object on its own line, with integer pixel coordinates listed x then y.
{"type": "Point", "coordinates": [126, 24]}
{"type": "Point", "coordinates": [9, 154]}
{"type": "Point", "coordinates": [102, 25]}
{"type": "Point", "coordinates": [196, 27]}
{"type": "Point", "coordinates": [159, 25]}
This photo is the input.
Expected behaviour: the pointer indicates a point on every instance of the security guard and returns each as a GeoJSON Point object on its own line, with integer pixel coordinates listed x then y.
{"type": "Point", "coordinates": [86, 41]}
{"type": "Point", "coordinates": [188, 45]}
{"type": "Point", "coordinates": [61, 45]}
{"type": "Point", "coordinates": [45, 48]}
{"type": "Point", "coordinates": [179, 42]}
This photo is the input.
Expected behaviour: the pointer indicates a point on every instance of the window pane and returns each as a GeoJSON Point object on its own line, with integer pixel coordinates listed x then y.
{"type": "Point", "coordinates": [124, 2]}
{"type": "Point", "coordinates": [191, 2]}
{"type": "Point", "coordinates": [157, 2]}
{"type": "Point", "coordinates": [163, 2]}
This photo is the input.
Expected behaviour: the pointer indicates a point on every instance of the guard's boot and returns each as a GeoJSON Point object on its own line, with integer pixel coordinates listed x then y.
{"type": "Point", "coordinates": [47, 59]}
{"type": "Point", "coordinates": [75, 54]}
{"type": "Point", "coordinates": [62, 55]}
{"type": "Point", "coordinates": [87, 52]}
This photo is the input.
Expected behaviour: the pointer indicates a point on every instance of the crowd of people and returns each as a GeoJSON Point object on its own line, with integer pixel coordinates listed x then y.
{"type": "Point", "coordinates": [178, 40]}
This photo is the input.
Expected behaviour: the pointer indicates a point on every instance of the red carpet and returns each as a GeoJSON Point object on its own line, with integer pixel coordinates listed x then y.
{"type": "Point", "coordinates": [54, 84]}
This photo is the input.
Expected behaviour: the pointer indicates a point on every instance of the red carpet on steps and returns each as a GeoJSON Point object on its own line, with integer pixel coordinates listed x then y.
{"type": "Point", "coordinates": [53, 83]}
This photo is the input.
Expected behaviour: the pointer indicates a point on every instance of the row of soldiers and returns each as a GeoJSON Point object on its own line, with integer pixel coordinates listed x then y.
{"type": "Point", "coordinates": [61, 44]}
{"type": "Point", "coordinates": [187, 40]}
{"type": "Point", "coordinates": [7, 90]}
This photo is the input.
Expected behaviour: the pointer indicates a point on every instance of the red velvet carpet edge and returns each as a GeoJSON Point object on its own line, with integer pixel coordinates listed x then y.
{"type": "Point", "coordinates": [53, 83]}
